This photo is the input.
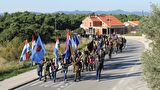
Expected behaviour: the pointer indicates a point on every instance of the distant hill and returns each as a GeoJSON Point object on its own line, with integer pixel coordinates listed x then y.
{"type": "Point", "coordinates": [106, 12]}
{"type": "Point", "coordinates": [119, 11]}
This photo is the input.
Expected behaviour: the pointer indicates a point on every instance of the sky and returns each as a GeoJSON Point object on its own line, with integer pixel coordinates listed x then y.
{"type": "Point", "coordinates": [49, 6]}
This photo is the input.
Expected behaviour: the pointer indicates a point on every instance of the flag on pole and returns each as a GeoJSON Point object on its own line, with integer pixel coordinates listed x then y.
{"type": "Point", "coordinates": [39, 51]}
{"type": "Point", "coordinates": [90, 46]}
{"type": "Point", "coordinates": [76, 41]}
{"type": "Point", "coordinates": [57, 45]}
{"type": "Point", "coordinates": [67, 52]}
{"type": "Point", "coordinates": [73, 43]}
{"type": "Point", "coordinates": [68, 39]}
{"type": "Point", "coordinates": [33, 42]}
{"type": "Point", "coordinates": [100, 45]}
{"type": "Point", "coordinates": [24, 54]}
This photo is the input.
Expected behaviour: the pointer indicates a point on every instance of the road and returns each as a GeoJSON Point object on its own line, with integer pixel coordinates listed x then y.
{"type": "Point", "coordinates": [122, 72]}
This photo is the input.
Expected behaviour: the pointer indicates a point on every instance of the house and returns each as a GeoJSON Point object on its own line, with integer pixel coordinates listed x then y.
{"type": "Point", "coordinates": [102, 24]}
{"type": "Point", "coordinates": [132, 26]}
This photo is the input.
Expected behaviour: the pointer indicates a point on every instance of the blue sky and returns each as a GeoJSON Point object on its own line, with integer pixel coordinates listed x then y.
{"type": "Point", "coordinates": [70, 5]}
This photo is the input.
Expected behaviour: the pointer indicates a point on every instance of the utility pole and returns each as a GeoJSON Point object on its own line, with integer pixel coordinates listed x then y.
{"type": "Point", "coordinates": [55, 24]}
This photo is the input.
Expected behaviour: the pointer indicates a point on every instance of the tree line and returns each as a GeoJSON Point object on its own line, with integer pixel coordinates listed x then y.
{"type": "Point", "coordinates": [25, 24]}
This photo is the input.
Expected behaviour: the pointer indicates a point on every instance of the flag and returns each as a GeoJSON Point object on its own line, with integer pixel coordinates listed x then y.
{"type": "Point", "coordinates": [33, 42]}
{"type": "Point", "coordinates": [100, 45]}
{"type": "Point", "coordinates": [90, 46]}
{"type": "Point", "coordinates": [68, 42]}
{"type": "Point", "coordinates": [68, 39]}
{"type": "Point", "coordinates": [76, 39]}
{"type": "Point", "coordinates": [56, 51]}
{"type": "Point", "coordinates": [67, 52]}
{"type": "Point", "coordinates": [24, 54]}
{"type": "Point", "coordinates": [75, 42]}
{"type": "Point", "coordinates": [39, 51]}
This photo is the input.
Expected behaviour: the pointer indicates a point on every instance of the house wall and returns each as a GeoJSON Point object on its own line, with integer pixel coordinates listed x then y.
{"type": "Point", "coordinates": [87, 22]}
{"type": "Point", "coordinates": [96, 27]}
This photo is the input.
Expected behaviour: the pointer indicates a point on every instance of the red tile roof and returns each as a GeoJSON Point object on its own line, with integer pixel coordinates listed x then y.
{"type": "Point", "coordinates": [110, 20]}
{"type": "Point", "coordinates": [94, 18]}
{"type": "Point", "coordinates": [134, 22]}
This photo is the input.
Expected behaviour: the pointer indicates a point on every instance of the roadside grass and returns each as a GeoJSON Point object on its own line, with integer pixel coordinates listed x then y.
{"type": "Point", "coordinates": [49, 47]}
{"type": "Point", "coordinates": [10, 68]}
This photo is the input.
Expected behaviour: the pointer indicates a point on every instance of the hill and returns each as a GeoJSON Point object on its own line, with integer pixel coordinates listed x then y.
{"type": "Point", "coordinates": [140, 13]}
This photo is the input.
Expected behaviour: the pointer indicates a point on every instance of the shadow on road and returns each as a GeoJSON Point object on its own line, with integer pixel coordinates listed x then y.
{"type": "Point", "coordinates": [110, 77]}
{"type": "Point", "coordinates": [121, 64]}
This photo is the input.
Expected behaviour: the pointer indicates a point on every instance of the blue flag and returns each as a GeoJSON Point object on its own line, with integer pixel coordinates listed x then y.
{"type": "Point", "coordinates": [100, 46]}
{"type": "Point", "coordinates": [73, 42]}
{"type": "Point", "coordinates": [38, 52]}
{"type": "Point", "coordinates": [76, 40]}
{"type": "Point", "coordinates": [56, 51]}
{"type": "Point", "coordinates": [67, 54]}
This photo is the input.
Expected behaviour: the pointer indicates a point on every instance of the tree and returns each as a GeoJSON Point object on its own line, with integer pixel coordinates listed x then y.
{"type": "Point", "coordinates": [25, 24]}
{"type": "Point", "coordinates": [151, 58]}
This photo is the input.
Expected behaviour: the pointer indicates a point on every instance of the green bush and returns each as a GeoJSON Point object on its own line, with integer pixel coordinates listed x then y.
{"type": "Point", "coordinates": [151, 58]}
{"type": "Point", "coordinates": [151, 67]}
{"type": "Point", "coordinates": [79, 31]}
{"type": "Point", "coordinates": [11, 50]}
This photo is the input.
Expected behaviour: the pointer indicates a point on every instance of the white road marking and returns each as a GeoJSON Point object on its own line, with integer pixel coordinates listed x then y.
{"type": "Point", "coordinates": [58, 88]}
{"type": "Point", "coordinates": [52, 83]}
{"type": "Point", "coordinates": [45, 83]}
{"type": "Point", "coordinates": [35, 83]}
{"type": "Point", "coordinates": [57, 85]}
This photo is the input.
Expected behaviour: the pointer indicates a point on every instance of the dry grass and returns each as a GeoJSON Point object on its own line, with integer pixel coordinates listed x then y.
{"type": "Point", "coordinates": [49, 47]}
{"type": "Point", "coordinates": [11, 68]}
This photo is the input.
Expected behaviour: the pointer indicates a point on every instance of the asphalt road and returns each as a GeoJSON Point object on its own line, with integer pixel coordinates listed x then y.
{"type": "Point", "coordinates": [122, 72]}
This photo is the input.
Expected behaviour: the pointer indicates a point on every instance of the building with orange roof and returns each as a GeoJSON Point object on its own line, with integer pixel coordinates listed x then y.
{"type": "Point", "coordinates": [132, 26]}
{"type": "Point", "coordinates": [102, 24]}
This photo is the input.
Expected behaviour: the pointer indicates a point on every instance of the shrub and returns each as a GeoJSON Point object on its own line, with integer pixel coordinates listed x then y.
{"type": "Point", "coordinates": [151, 59]}
{"type": "Point", "coordinates": [151, 67]}
{"type": "Point", "coordinates": [79, 31]}
{"type": "Point", "coordinates": [12, 49]}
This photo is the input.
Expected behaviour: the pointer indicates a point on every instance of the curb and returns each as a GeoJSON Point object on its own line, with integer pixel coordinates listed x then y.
{"type": "Point", "coordinates": [27, 82]}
